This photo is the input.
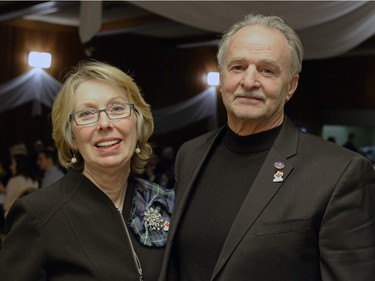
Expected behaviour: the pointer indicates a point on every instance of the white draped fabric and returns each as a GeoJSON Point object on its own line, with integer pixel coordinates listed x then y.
{"type": "Point", "coordinates": [326, 28]}
{"type": "Point", "coordinates": [35, 85]}
{"type": "Point", "coordinates": [90, 15]}
{"type": "Point", "coordinates": [39, 87]}
{"type": "Point", "coordinates": [185, 113]}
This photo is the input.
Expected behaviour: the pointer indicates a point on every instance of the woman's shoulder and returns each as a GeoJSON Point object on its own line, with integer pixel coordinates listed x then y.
{"type": "Point", "coordinates": [57, 193]}
{"type": "Point", "coordinates": [45, 202]}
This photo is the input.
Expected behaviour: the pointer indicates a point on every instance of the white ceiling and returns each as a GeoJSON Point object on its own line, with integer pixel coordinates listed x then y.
{"type": "Point", "coordinates": [67, 13]}
{"type": "Point", "coordinates": [327, 28]}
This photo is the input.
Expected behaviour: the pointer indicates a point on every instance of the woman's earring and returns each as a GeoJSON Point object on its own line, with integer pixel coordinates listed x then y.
{"type": "Point", "coordinates": [137, 150]}
{"type": "Point", "coordinates": [74, 159]}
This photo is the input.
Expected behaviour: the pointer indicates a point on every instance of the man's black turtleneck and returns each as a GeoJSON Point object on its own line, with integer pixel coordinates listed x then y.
{"type": "Point", "coordinates": [217, 197]}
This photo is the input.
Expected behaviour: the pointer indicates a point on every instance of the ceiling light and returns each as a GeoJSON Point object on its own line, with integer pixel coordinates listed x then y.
{"type": "Point", "coordinates": [213, 78]}
{"type": "Point", "coordinates": [40, 59]}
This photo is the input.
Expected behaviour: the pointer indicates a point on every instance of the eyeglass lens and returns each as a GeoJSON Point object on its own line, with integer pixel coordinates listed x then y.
{"type": "Point", "coordinates": [89, 116]}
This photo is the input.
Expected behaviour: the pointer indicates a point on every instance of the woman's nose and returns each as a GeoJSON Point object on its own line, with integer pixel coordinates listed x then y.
{"type": "Point", "coordinates": [104, 120]}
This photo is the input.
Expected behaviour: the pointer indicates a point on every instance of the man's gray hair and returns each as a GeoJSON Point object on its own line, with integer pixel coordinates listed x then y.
{"type": "Point", "coordinates": [295, 44]}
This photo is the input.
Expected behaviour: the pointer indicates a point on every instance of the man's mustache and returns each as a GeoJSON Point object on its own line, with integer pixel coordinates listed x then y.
{"type": "Point", "coordinates": [253, 95]}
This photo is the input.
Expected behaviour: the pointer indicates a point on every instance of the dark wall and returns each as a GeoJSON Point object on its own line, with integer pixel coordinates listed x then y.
{"type": "Point", "coordinates": [166, 74]}
{"type": "Point", "coordinates": [337, 83]}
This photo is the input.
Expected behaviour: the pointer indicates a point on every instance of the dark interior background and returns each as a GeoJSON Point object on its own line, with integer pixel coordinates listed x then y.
{"type": "Point", "coordinates": [168, 74]}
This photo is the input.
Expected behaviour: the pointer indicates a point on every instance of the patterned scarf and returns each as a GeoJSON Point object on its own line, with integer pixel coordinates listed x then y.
{"type": "Point", "coordinates": [151, 212]}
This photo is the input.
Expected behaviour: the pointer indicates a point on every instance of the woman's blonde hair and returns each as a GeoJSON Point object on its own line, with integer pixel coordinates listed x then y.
{"type": "Point", "coordinates": [64, 105]}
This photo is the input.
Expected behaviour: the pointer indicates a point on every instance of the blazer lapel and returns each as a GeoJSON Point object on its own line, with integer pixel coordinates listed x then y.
{"type": "Point", "coordinates": [182, 199]}
{"type": "Point", "coordinates": [262, 191]}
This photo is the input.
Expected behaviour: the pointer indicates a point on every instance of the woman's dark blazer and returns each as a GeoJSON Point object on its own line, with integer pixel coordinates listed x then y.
{"type": "Point", "coordinates": [68, 229]}
{"type": "Point", "coordinates": [317, 223]}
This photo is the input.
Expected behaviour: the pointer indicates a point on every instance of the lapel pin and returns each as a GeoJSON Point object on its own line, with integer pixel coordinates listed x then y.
{"type": "Point", "coordinates": [278, 176]}
{"type": "Point", "coordinates": [279, 165]}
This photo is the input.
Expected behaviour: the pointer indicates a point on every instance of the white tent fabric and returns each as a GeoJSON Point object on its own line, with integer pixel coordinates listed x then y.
{"type": "Point", "coordinates": [326, 28]}
{"type": "Point", "coordinates": [90, 18]}
{"type": "Point", "coordinates": [39, 87]}
{"type": "Point", "coordinates": [185, 113]}
{"type": "Point", "coordinates": [35, 85]}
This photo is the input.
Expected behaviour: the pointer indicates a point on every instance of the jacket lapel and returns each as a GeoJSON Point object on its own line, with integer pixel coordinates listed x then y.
{"type": "Point", "coordinates": [182, 199]}
{"type": "Point", "coordinates": [182, 196]}
{"type": "Point", "coordinates": [262, 191]}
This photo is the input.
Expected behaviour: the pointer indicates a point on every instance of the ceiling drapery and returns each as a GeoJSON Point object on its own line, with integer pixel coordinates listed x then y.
{"type": "Point", "coordinates": [35, 86]}
{"type": "Point", "coordinates": [90, 15]}
{"type": "Point", "coordinates": [187, 112]}
{"type": "Point", "coordinates": [326, 28]}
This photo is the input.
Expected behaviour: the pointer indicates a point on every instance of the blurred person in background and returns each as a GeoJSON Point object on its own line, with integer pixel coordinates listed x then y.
{"type": "Point", "coordinates": [350, 143]}
{"type": "Point", "coordinates": [23, 180]}
{"type": "Point", "coordinates": [47, 162]}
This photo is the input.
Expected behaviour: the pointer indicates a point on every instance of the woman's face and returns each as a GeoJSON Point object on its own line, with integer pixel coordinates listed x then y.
{"type": "Point", "coordinates": [106, 144]}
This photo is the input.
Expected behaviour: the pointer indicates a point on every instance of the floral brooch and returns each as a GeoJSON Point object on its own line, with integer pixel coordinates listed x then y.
{"type": "Point", "coordinates": [151, 212]}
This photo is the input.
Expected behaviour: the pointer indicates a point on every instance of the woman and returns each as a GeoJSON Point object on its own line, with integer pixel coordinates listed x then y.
{"type": "Point", "coordinates": [23, 181]}
{"type": "Point", "coordinates": [99, 222]}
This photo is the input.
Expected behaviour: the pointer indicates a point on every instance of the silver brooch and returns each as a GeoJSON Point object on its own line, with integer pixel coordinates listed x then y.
{"type": "Point", "coordinates": [153, 219]}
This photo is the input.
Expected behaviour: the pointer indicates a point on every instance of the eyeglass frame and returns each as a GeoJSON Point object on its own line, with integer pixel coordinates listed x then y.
{"type": "Point", "coordinates": [98, 111]}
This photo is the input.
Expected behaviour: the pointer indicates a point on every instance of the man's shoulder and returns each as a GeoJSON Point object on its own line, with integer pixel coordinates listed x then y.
{"type": "Point", "coordinates": [319, 146]}
{"type": "Point", "coordinates": [201, 139]}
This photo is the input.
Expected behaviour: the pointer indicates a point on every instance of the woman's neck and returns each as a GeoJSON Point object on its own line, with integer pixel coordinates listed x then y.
{"type": "Point", "coordinates": [112, 184]}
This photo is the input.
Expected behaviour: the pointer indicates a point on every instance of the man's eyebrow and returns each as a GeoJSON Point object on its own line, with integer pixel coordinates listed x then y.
{"type": "Point", "coordinates": [236, 59]}
{"type": "Point", "coordinates": [270, 62]}
{"type": "Point", "coordinates": [273, 64]}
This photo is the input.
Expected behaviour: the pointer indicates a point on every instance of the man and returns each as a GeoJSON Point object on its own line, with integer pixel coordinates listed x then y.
{"type": "Point", "coordinates": [47, 160]}
{"type": "Point", "coordinates": [350, 143]}
{"type": "Point", "coordinates": [259, 199]}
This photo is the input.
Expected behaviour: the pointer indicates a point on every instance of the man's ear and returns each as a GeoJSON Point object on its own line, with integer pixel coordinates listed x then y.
{"type": "Point", "coordinates": [292, 87]}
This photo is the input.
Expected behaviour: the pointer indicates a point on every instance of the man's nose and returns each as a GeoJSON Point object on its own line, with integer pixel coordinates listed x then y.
{"type": "Point", "coordinates": [250, 77]}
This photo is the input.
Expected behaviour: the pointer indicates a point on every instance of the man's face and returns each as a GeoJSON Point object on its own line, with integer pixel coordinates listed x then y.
{"type": "Point", "coordinates": [255, 80]}
{"type": "Point", "coordinates": [43, 161]}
